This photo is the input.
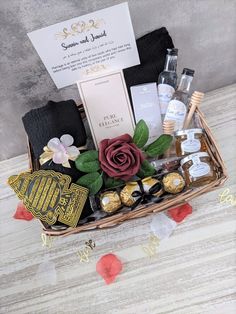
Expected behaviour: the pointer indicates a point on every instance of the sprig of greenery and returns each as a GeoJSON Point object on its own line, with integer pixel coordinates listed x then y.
{"type": "Point", "coordinates": [141, 134]}
{"type": "Point", "coordinates": [93, 181]}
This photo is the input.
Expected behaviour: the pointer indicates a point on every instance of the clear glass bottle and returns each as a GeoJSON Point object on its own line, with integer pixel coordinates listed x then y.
{"type": "Point", "coordinates": [167, 80]}
{"type": "Point", "coordinates": [177, 107]}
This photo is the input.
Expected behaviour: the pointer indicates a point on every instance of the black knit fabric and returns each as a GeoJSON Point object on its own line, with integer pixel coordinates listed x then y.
{"type": "Point", "coordinates": [54, 120]}
{"type": "Point", "coordinates": [152, 52]}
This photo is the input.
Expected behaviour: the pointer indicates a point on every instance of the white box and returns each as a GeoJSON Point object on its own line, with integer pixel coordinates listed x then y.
{"type": "Point", "coordinates": [146, 106]}
{"type": "Point", "coordinates": [107, 106]}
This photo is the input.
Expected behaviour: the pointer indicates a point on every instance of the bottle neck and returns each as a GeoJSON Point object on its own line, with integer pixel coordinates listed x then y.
{"type": "Point", "coordinates": [185, 83]}
{"type": "Point", "coordinates": [171, 63]}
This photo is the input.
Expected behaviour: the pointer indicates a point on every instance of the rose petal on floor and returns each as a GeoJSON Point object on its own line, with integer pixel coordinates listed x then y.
{"type": "Point", "coordinates": [108, 267]}
{"type": "Point", "coordinates": [22, 212]}
{"type": "Point", "coordinates": [179, 213]}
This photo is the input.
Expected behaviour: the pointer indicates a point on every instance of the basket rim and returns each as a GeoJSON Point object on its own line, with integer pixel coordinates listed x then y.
{"type": "Point", "coordinates": [142, 211]}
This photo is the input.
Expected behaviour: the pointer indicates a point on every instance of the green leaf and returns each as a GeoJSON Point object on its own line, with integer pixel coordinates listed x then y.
{"type": "Point", "coordinates": [159, 146]}
{"type": "Point", "coordinates": [92, 181]}
{"type": "Point", "coordinates": [146, 170]}
{"type": "Point", "coordinates": [88, 161]}
{"type": "Point", "coordinates": [112, 183]}
{"type": "Point", "coordinates": [141, 134]}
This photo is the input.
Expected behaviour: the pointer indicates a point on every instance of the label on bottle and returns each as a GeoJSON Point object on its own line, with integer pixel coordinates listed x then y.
{"type": "Point", "coordinates": [199, 168]}
{"type": "Point", "coordinates": [191, 145]}
{"type": "Point", "coordinates": [165, 92]}
{"type": "Point", "coordinates": [176, 111]}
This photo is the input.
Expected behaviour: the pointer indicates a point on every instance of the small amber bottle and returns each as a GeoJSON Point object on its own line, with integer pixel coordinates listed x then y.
{"type": "Point", "coordinates": [189, 141]}
{"type": "Point", "coordinates": [198, 169]}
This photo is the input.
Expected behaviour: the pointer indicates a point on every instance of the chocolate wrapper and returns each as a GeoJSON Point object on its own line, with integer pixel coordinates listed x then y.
{"type": "Point", "coordinates": [173, 183]}
{"type": "Point", "coordinates": [130, 187]}
{"type": "Point", "coordinates": [110, 201]}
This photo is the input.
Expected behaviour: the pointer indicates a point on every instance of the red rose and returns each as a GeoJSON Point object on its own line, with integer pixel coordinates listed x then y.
{"type": "Point", "coordinates": [119, 157]}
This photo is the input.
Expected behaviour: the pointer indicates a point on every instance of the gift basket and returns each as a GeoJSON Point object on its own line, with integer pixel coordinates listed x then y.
{"type": "Point", "coordinates": [168, 159]}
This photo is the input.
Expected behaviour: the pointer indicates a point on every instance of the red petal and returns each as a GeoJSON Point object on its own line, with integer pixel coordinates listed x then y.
{"type": "Point", "coordinates": [108, 267]}
{"type": "Point", "coordinates": [179, 213]}
{"type": "Point", "coordinates": [22, 212]}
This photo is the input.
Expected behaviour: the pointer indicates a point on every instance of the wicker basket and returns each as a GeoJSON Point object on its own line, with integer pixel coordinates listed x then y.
{"type": "Point", "coordinates": [145, 210]}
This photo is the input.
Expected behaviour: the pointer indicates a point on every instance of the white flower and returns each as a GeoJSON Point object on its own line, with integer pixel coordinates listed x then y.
{"type": "Point", "coordinates": [63, 150]}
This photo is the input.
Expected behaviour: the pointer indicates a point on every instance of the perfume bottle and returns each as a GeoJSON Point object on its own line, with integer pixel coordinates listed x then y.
{"type": "Point", "coordinates": [177, 108]}
{"type": "Point", "coordinates": [167, 80]}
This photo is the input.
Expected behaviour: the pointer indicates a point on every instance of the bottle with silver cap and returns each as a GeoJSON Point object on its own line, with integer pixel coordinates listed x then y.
{"type": "Point", "coordinates": [177, 107]}
{"type": "Point", "coordinates": [167, 80]}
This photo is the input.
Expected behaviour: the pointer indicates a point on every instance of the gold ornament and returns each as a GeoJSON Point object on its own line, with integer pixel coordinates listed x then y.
{"type": "Point", "coordinates": [49, 196]}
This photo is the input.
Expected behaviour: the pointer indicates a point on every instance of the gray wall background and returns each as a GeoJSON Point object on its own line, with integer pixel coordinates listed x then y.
{"type": "Point", "coordinates": [203, 30]}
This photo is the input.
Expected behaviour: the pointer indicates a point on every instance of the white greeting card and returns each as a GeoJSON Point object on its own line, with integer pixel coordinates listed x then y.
{"type": "Point", "coordinates": [94, 43]}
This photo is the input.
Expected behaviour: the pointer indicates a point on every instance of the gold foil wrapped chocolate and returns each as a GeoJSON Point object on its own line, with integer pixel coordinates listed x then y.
{"type": "Point", "coordinates": [150, 182]}
{"type": "Point", "coordinates": [110, 201]}
{"type": "Point", "coordinates": [50, 196]}
{"type": "Point", "coordinates": [173, 183]}
{"type": "Point", "coordinates": [126, 193]}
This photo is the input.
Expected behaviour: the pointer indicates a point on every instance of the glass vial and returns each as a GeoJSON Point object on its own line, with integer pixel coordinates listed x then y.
{"type": "Point", "coordinates": [167, 80]}
{"type": "Point", "coordinates": [177, 107]}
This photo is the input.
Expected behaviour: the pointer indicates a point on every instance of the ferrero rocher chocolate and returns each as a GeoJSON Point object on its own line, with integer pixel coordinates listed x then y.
{"type": "Point", "coordinates": [148, 183]}
{"type": "Point", "coordinates": [173, 183]}
{"type": "Point", "coordinates": [110, 201]}
{"type": "Point", "coordinates": [126, 193]}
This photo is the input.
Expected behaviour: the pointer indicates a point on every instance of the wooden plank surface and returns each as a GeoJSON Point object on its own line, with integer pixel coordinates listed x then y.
{"type": "Point", "coordinates": [192, 272]}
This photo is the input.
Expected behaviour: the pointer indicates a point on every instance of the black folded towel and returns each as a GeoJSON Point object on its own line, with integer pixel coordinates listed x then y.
{"type": "Point", "coordinates": [54, 120]}
{"type": "Point", "coordinates": [152, 52]}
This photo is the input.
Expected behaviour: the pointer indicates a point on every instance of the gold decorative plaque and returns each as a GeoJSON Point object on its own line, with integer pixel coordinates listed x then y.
{"type": "Point", "coordinates": [49, 196]}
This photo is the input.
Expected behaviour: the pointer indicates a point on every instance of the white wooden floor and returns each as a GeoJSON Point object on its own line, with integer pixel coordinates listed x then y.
{"type": "Point", "coordinates": [192, 272]}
